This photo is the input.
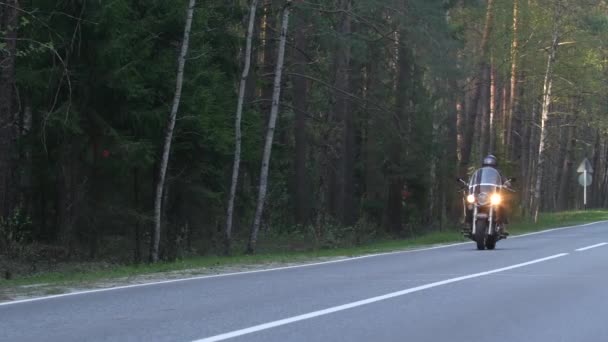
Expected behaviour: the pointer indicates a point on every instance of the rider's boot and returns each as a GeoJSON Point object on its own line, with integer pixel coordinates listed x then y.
{"type": "Point", "coordinates": [466, 228]}
{"type": "Point", "coordinates": [504, 232]}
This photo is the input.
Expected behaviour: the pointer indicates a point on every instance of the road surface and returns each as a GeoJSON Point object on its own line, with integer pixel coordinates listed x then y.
{"type": "Point", "coordinates": [551, 286]}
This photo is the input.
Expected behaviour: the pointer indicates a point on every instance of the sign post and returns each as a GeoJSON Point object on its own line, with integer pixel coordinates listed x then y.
{"type": "Point", "coordinates": [585, 178]}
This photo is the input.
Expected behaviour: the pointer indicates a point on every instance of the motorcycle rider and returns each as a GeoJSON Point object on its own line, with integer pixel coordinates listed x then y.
{"type": "Point", "coordinates": [491, 161]}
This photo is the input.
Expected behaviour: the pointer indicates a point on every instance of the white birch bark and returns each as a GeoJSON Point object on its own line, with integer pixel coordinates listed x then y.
{"type": "Point", "coordinates": [276, 96]}
{"type": "Point", "coordinates": [548, 84]}
{"type": "Point", "coordinates": [237, 125]}
{"type": "Point", "coordinates": [162, 171]}
{"type": "Point", "coordinates": [514, 71]}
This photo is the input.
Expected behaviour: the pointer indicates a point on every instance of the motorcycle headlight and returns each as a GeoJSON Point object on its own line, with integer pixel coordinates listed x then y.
{"type": "Point", "coordinates": [496, 199]}
{"type": "Point", "coordinates": [471, 199]}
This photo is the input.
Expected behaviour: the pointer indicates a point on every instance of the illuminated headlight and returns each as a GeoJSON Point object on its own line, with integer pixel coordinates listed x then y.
{"type": "Point", "coordinates": [471, 199]}
{"type": "Point", "coordinates": [496, 199]}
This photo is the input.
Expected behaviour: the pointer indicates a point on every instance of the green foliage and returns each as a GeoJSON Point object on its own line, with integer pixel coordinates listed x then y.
{"type": "Point", "coordinates": [101, 88]}
{"type": "Point", "coordinates": [99, 79]}
{"type": "Point", "coordinates": [15, 233]}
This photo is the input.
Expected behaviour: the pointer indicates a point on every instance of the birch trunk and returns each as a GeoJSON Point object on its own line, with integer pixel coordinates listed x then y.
{"type": "Point", "coordinates": [162, 171]}
{"type": "Point", "coordinates": [513, 92]}
{"type": "Point", "coordinates": [532, 158]}
{"type": "Point", "coordinates": [237, 125]}
{"type": "Point", "coordinates": [492, 130]}
{"type": "Point", "coordinates": [548, 83]}
{"type": "Point", "coordinates": [276, 96]}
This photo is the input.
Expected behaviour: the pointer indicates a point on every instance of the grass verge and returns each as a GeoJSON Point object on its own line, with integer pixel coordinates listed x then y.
{"type": "Point", "coordinates": [554, 220]}
{"type": "Point", "coordinates": [83, 276]}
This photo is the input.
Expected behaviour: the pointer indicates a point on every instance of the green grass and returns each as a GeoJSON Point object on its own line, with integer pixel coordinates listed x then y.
{"type": "Point", "coordinates": [209, 264]}
{"type": "Point", "coordinates": [553, 220]}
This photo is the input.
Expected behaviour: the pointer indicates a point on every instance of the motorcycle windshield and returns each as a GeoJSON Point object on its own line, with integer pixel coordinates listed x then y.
{"type": "Point", "coordinates": [485, 180]}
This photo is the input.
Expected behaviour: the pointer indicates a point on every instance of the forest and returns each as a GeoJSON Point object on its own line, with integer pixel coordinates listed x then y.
{"type": "Point", "coordinates": [149, 130]}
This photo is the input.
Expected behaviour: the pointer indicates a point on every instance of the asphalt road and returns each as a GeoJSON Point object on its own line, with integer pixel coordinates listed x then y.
{"type": "Point", "coordinates": [549, 287]}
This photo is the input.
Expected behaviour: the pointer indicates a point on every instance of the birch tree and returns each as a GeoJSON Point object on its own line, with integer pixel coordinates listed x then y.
{"type": "Point", "coordinates": [547, 88]}
{"type": "Point", "coordinates": [168, 137]}
{"type": "Point", "coordinates": [493, 95]}
{"type": "Point", "coordinates": [276, 96]}
{"type": "Point", "coordinates": [514, 70]}
{"type": "Point", "coordinates": [237, 126]}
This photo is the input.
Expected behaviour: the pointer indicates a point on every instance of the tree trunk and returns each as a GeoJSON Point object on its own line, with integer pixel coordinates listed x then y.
{"type": "Point", "coordinates": [342, 171]}
{"type": "Point", "coordinates": [526, 132]}
{"type": "Point", "coordinates": [166, 148]}
{"type": "Point", "coordinates": [276, 97]}
{"type": "Point", "coordinates": [533, 143]}
{"type": "Point", "coordinates": [548, 83]}
{"type": "Point", "coordinates": [268, 62]}
{"type": "Point", "coordinates": [474, 107]}
{"type": "Point", "coordinates": [300, 99]}
{"type": "Point", "coordinates": [492, 128]}
{"type": "Point", "coordinates": [484, 112]}
{"type": "Point", "coordinates": [237, 125]}
{"type": "Point", "coordinates": [513, 92]}
{"type": "Point", "coordinates": [372, 156]}
{"type": "Point", "coordinates": [136, 204]}
{"type": "Point", "coordinates": [460, 118]}
{"type": "Point", "coordinates": [453, 153]}
{"type": "Point", "coordinates": [9, 22]}
{"type": "Point", "coordinates": [469, 129]}
{"type": "Point", "coordinates": [396, 152]}
{"type": "Point", "coordinates": [434, 170]}
{"type": "Point", "coordinates": [592, 190]}
{"type": "Point", "coordinates": [605, 178]}
{"type": "Point", "coordinates": [66, 201]}
{"type": "Point", "coordinates": [24, 170]}
{"type": "Point", "coordinates": [566, 179]}
{"type": "Point", "coordinates": [394, 206]}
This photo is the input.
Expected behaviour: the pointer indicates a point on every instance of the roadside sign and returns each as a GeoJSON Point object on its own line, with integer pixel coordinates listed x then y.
{"type": "Point", "coordinates": [585, 179]}
{"type": "Point", "coordinates": [585, 166]}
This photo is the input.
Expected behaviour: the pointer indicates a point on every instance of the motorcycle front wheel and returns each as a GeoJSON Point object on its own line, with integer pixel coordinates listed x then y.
{"type": "Point", "coordinates": [491, 242]}
{"type": "Point", "coordinates": [480, 234]}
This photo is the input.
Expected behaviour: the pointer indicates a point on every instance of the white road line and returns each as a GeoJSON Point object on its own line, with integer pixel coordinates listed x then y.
{"type": "Point", "coordinates": [334, 309]}
{"type": "Point", "coordinates": [590, 247]}
{"type": "Point", "coordinates": [556, 229]}
{"type": "Point", "coordinates": [272, 269]}
{"type": "Point", "coordinates": [227, 274]}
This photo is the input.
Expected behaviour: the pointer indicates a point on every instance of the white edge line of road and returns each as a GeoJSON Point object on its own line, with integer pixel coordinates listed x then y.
{"type": "Point", "coordinates": [367, 301]}
{"type": "Point", "coordinates": [591, 247]}
{"type": "Point", "coordinates": [271, 269]}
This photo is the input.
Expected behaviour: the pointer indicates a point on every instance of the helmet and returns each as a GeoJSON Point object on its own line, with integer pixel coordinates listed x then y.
{"type": "Point", "coordinates": [490, 161]}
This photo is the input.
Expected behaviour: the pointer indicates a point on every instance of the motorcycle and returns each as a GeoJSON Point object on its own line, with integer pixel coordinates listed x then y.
{"type": "Point", "coordinates": [484, 196]}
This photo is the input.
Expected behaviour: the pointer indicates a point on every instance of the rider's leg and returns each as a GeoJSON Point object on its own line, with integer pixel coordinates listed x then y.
{"type": "Point", "coordinates": [503, 218]}
{"type": "Point", "coordinates": [468, 220]}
